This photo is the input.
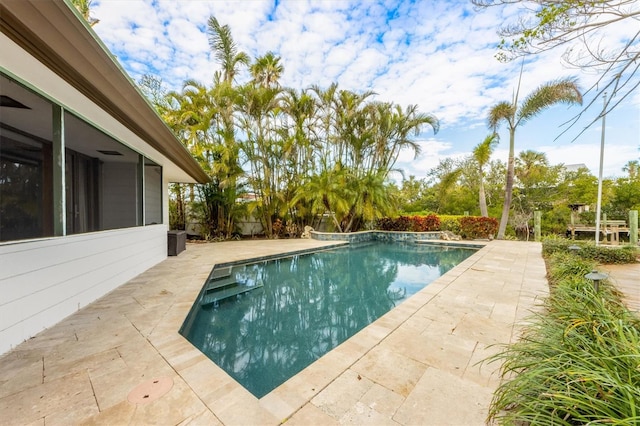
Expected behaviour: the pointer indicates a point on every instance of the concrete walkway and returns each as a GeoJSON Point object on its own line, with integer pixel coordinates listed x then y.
{"type": "Point", "coordinates": [418, 364]}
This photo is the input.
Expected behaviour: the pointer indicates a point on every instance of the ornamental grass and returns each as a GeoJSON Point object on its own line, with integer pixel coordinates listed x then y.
{"type": "Point", "coordinates": [578, 360]}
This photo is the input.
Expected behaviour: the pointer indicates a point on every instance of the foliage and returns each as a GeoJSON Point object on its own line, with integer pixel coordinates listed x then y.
{"type": "Point", "coordinates": [467, 226]}
{"type": "Point", "coordinates": [555, 220]}
{"type": "Point", "coordinates": [590, 252]}
{"type": "Point", "coordinates": [472, 227]}
{"type": "Point", "coordinates": [450, 223]}
{"type": "Point", "coordinates": [626, 193]}
{"type": "Point", "coordinates": [514, 113]}
{"type": "Point", "coordinates": [426, 223]}
{"type": "Point", "coordinates": [84, 7]}
{"type": "Point", "coordinates": [481, 155]}
{"type": "Point", "coordinates": [577, 360]}
{"type": "Point", "coordinates": [582, 28]}
{"type": "Point", "coordinates": [409, 223]}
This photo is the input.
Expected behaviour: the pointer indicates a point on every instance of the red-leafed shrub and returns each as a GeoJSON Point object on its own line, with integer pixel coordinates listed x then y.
{"type": "Point", "coordinates": [425, 223]}
{"type": "Point", "coordinates": [478, 227]}
{"type": "Point", "coordinates": [409, 223]}
{"type": "Point", "coordinates": [400, 223]}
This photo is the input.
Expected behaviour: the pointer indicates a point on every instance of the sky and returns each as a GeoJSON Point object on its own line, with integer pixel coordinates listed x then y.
{"type": "Point", "coordinates": [437, 54]}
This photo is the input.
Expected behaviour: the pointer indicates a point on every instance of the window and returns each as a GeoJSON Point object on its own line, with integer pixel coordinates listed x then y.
{"type": "Point", "coordinates": [106, 184]}
{"type": "Point", "coordinates": [26, 193]}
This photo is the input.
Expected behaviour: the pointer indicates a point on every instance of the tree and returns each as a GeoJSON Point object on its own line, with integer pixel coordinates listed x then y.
{"type": "Point", "coordinates": [327, 192]}
{"type": "Point", "coordinates": [411, 193]}
{"type": "Point", "coordinates": [626, 192]}
{"type": "Point", "coordinates": [632, 168]}
{"type": "Point", "coordinates": [581, 27]}
{"type": "Point", "coordinates": [482, 154]}
{"type": "Point", "coordinates": [225, 49]}
{"type": "Point", "coordinates": [84, 7]}
{"type": "Point", "coordinates": [444, 180]}
{"type": "Point", "coordinates": [514, 114]}
{"type": "Point", "coordinates": [537, 182]}
{"type": "Point", "coordinates": [266, 70]}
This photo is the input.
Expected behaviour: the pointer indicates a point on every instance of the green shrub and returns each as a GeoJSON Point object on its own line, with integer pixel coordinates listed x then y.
{"type": "Point", "coordinates": [589, 251]}
{"type": "Point", "coordinates": [409, 223]}
{"type": "Point", "coordinates": [587, 218]}
{"type": "Point", "coordinates": [450, 223]}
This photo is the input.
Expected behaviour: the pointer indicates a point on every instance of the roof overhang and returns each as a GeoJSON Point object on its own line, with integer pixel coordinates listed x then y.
{"type": "Point", "coordinates": [53, 33]}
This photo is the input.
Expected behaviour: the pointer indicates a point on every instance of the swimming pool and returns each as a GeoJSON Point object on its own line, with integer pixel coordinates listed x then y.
{"type": "Point", "coordinates": [263, 322]}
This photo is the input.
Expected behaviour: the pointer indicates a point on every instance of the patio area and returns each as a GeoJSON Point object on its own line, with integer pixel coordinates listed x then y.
{"type": "Point", "coordinates": [409, 367]}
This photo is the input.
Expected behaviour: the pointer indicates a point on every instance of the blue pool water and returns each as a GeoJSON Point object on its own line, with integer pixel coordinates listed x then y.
{"type": "Point", "coordinates": [264, 322]}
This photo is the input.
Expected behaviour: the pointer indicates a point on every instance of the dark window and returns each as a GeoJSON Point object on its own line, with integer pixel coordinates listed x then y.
{"type": "Point", "coordinates": [103, 179]}
{"type": "Point", "coordinates": [25, 187]}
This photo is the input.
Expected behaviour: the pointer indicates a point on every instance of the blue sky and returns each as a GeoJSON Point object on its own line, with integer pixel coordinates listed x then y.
{"type": "Point", "coordinates": [436, 54]}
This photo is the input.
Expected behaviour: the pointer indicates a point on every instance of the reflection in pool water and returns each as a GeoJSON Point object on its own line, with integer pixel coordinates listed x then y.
{"type": "Point", "coordinates": [301, 307]}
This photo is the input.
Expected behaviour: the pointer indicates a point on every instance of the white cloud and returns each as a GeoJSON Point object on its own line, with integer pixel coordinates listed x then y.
{"type": "Point", "coordinates": [437, 54]}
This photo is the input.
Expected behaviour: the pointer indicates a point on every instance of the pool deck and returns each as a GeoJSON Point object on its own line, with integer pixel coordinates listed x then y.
{"type": "Point", "coordinates": [418, 364]}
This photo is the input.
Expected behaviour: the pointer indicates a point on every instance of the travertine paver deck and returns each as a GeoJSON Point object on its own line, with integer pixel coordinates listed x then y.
{"type": "Point", "coordinates": [626, 278]}
{"type": "Point", "coordinates": [418, 364]}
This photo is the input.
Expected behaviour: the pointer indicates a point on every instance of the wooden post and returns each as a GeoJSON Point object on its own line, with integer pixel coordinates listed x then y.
{"type": "Point", "coordinates": [573, 224]}
{"type": "Point", "coordinates": [537, 219]}
{"type": "Point", "coordinates": [603, 226]}
{"type": "Point", "coordinates": [633, 227]}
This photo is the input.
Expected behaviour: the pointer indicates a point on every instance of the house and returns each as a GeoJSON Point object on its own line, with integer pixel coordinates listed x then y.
{"type": "Point", "coordinates": [85, 164]}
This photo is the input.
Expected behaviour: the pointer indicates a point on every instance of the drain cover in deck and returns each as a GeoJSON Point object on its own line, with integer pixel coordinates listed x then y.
{"type": "Point", "coordinates": [150, 390]}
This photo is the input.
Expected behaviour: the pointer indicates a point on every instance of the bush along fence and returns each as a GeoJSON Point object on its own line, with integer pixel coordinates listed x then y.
{"type": "Point", "coordinates": [468, 227]}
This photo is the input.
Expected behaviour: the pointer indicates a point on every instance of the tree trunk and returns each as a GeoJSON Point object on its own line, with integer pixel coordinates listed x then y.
{"type": "Point", "coordinates": [482, 198]}
{"type": "Point", "coordinates": [508, 191]}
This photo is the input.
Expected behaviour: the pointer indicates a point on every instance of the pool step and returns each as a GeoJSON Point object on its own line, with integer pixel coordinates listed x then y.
{"type": "Point", "coordinates": [216, 283]}
{"type": "Point", "coordinates": [224, 292]}
{"type": "Point", "coordinates": [220, 273]}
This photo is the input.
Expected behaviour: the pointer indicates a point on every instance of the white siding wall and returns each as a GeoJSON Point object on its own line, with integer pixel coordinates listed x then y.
{"type": "Point", "coordinates": [43, 281]}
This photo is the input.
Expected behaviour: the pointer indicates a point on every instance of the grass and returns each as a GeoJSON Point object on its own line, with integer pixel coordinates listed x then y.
{"type": "Point", "coordinates": [578, 360]}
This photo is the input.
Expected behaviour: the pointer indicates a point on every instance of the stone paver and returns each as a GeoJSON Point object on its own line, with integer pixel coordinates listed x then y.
{"type": "Point", "coordinates": [418, 364]}
{"type": "Point", "coordinates": [626, 278]}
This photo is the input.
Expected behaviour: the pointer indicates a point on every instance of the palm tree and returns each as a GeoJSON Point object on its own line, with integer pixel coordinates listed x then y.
{"type": "Point", "coordinates": [225, 49]}
{"type": "Point", "coordinates": [84, 7]}
{"type": "Point", "coordinates": [266, 70]}
{"type": "Point", "coordinates": [633, 168]}
{"type": "Point", "coordinates": [548, 94]}
{"type": "Point", "coordinates": [258, 108]}
{"type": "Point", "coordinates": [481, 154]}
{"type": "Point", "coordinates": [327, 192]}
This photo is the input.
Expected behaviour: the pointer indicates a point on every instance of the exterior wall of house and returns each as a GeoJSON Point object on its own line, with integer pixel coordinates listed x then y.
{"type": "Point", "coordinates": [43, 281]}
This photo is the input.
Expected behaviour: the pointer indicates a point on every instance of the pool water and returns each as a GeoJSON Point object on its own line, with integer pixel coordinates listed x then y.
{"type": "Point", "coordinates": [265, 322]}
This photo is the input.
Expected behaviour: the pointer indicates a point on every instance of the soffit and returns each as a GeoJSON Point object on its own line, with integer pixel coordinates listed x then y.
{"type": "Point", "coordinates": [53, 34]}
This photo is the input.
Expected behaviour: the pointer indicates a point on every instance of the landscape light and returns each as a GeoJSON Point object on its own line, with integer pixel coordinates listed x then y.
{"type": "Point", "coordinates": [596, 277]}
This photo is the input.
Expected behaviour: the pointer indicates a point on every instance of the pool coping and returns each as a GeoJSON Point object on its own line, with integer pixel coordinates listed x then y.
{"type": "Point", "coordinates": [189, 317]}
{"type": "Point", "coordinates": [381, 328]}
{"type": "Point", "coordinates": [290, 397]}
{"type": "Point", "coordinates": [203, 393]}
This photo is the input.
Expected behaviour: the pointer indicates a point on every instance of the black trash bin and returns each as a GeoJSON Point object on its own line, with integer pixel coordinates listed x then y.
{"type": "Point", "coordinates": [177, 242]}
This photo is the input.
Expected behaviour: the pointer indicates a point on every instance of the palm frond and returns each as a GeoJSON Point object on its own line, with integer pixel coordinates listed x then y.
{"type": "Point", "coordinates": [559, 91]}
{"type": "Point", "coordinates": [502, 111]}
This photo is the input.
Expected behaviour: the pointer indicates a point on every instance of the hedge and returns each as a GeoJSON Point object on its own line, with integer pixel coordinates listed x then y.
{"type": "Point", "coordinates": [469, 227]}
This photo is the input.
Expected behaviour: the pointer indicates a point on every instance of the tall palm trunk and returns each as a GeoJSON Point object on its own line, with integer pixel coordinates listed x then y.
{"type": "Point", "coordinates": [482, 198]}
{"type": "Point", "coordinates": [508, 193]}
